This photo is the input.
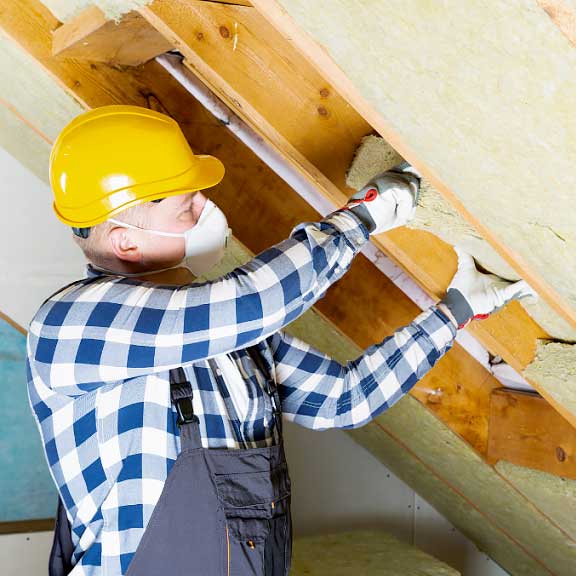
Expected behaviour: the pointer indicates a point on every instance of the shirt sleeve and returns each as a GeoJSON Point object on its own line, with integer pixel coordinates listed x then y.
{"type": "Point", "coordinates": [117, 327]}
{"type": "Point", "coordinates": [318, 392]}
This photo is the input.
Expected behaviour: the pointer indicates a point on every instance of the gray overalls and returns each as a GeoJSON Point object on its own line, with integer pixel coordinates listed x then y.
{"type": "Point", "coordinates": [221, 513]}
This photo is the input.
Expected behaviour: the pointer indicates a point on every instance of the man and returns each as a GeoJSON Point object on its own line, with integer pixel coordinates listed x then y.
{"type": "Point", "coordinates": [159, 400]}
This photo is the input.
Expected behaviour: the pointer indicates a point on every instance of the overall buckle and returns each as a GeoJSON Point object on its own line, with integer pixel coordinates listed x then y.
{"type": "Point", "coordinates": [185, 411]}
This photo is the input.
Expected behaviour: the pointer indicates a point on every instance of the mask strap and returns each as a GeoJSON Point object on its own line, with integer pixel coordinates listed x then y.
{"type": "Point", "coordinates": [158, 232]}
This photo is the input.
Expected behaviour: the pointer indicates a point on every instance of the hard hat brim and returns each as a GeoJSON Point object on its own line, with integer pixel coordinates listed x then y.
{"type": "Point", "coordinates": [205, 172]}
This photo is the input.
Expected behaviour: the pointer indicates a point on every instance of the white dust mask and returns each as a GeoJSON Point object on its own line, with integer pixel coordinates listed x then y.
{"type": "Point", "coordinates": [205, 242]}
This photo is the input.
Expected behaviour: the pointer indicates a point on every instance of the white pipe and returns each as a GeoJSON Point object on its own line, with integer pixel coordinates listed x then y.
{"type": "Point", "coordinates": [274, 160]}
{"type": "Point", "coordinates": [268, 155]}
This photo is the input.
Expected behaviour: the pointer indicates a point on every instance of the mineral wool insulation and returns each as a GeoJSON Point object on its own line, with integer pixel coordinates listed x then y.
{"type": "Point", "coordinates": [555, 363]}
{"type": "Point", "coordinates": [436, 215]}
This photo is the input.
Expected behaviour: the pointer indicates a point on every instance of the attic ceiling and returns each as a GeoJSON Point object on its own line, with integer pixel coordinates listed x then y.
{"type": "Point", "coordinates": [476, 114]}
{"type": "Point", "coordinates": [511, 514]}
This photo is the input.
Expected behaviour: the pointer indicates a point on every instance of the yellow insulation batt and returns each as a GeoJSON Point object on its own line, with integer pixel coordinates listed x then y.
{"type": "Point", "coordinates": [436, 215]}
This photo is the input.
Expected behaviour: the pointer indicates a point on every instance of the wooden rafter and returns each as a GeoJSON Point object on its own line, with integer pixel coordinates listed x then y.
{"type": "Point", "coordinates": [91, 36]}
{"type": "Point", "coordinates": [526, 431]}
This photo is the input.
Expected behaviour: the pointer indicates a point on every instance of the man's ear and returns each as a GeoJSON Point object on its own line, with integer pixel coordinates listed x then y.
{"type": "Point", "coordinates": [123, 245]}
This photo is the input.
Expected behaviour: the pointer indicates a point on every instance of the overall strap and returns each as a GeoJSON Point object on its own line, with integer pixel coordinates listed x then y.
{"type": "Point", "coordinates": [270, 385]}
{"type": "Point", "coordinates": [181, 394]}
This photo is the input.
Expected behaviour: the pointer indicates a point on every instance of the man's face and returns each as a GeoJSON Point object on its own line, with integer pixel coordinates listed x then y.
{"type": "Point", "coordinates": [172, 214]}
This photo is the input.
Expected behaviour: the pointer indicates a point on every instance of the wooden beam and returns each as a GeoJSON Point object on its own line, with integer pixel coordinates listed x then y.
{"type": "Point", "coordinates": [526, 431]}
{"type": "Point", "coordinates": [232, 2]}
{"type": "Point", "coordinates": [269, 83]}
{"type": "Point", "coordinates": [91, 36]}
{"type": "Point", "coordinates": [359, 35]}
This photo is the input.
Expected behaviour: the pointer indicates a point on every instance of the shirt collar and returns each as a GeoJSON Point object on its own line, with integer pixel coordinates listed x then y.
{"type": "Point", "coordinates": [93, 271]}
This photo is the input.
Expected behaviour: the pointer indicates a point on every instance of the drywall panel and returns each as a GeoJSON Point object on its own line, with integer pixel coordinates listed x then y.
{"type": "Point", "coordinates": [323, 467]}
{"type": "Point", "coordinates": [483, 94]}
{"type": "Point", "coordinates": [43, 257]}
{"type": "Point", "coordinates": [25, 553]}
{"type": "Point", "coordinates": [436, 215]}
{"type": "Point", "coordinates": [555, 496]}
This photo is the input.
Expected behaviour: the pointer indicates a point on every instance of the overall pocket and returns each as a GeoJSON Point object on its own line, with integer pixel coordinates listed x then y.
{"type": "Point", "coordinates": [257, 510]}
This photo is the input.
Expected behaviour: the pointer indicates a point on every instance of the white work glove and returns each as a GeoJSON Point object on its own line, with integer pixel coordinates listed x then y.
{"type": "Point", "coordinates": [473, 295]}
{"type": "Point", "coordinates": [388, 200]}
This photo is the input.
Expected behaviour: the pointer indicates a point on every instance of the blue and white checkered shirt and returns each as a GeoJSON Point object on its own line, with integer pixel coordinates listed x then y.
{"type": "Point", "coordinates": [100, 351]}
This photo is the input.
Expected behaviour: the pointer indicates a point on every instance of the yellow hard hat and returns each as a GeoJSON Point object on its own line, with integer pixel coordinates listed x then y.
{"type": "Point", "coordinates": [114, 157]}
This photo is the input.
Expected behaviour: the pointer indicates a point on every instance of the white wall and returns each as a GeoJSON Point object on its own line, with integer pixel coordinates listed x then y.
{"type": "Point", "coordinates": [337, 484]}
{"type": "Point", "coordinates": [37, 255]}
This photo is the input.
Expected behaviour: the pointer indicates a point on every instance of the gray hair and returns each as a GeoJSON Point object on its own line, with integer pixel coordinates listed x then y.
{"type": "Point", "coordinates": [96, 248]}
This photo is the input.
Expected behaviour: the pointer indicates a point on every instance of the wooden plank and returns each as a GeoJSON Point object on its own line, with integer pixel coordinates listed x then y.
{"type": "Point", "coordinates": [261, 78]}
{"type": "Point", "coordinates": [470, 125]}
{"type": "Point", "coordinates": [232, 2]}
{"type": "Point", "coordinates": [526, 431]}
{"type": "Point", "coordinates": [91, 36]}
{"type": "Point", "coordinates": [270, 84]}
{"type": "Point", "coordinates": [27, 526]}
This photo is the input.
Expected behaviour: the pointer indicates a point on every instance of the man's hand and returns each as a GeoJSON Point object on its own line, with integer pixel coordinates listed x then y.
{"type": "Point", "coordinates": [388, 200]}
{"type": "Point", "coordinates": [473, 295]}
